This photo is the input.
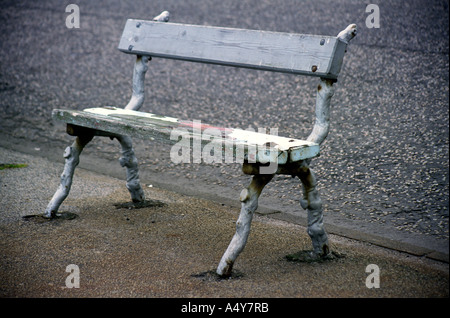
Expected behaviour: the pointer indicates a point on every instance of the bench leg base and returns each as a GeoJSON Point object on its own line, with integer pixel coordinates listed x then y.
{"type": "Point", "coordinates": [249, 198]}
{"type": "Point", "coordinates": [313, 204]}
{"type": "Point", "coordinates": [72, 158]}
{"type": "Point", "coordinates": [130, 161]}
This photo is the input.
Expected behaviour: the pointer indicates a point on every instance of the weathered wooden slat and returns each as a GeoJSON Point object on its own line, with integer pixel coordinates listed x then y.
{"type": "Point", "coordinates": [272, 51]}
{"type": "Point", "coordinates": [254, 146]}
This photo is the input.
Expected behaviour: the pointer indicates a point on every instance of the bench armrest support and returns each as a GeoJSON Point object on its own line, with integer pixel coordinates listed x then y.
{"type": "Point", "coordinates": [325, 91]}
{"type": "Point", "coordinates": [140, 68]}
{"type": "Point", "coordinates": [138, 95]}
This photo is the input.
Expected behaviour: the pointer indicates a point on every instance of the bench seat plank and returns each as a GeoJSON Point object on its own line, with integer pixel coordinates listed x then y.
{"type": "Point", "coordinates": [266, 148]}
{"type": "Point", "coordinates": [272, 51]}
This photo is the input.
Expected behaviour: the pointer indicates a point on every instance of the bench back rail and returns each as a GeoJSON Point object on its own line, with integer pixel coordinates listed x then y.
{"type": "Point", "coordinates": [302, 54]}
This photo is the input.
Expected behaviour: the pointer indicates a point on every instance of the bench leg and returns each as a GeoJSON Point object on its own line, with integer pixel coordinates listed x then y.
{"type": "Point", "coordinates": [313, 204]}
{"type": "Point", "coordinates": [72, 158]}
{"type": "Point", "coordinates": [249, 198]}
{"type": "Point", "coordinates": [129, 161]}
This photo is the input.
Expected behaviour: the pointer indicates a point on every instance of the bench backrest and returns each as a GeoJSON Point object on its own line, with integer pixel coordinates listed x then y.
{"type": "Point", "coordinates": [271, 51]}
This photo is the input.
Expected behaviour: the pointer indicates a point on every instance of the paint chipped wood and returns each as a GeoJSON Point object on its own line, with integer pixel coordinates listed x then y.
{"type": "Point", "coordinates": [268, 148]}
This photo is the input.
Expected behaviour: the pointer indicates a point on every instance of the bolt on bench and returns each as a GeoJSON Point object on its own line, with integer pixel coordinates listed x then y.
{"type": "Point", "coordinates": [262, 155]}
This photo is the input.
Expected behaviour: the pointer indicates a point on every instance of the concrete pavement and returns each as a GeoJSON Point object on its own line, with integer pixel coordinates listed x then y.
{"type": "Point", "coordinates": [171, 250]}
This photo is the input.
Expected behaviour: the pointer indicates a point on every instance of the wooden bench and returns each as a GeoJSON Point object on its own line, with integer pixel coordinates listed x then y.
{"type": "Point", "coordinates": [262, 155]}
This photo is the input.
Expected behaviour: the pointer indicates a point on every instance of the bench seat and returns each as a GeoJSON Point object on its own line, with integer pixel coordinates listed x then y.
{"type": "Point", "coordinates": [256, 147]}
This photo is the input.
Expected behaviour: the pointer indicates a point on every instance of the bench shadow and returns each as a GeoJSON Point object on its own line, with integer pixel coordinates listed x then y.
{"type": "Point", "coordinates": [140, 205]}
{"type": "Point", "coordinates": [39, 218]}
{"type": "Point", "coordinates": [65, 216]}
{"type": "Point", "coordinates": [212, 276]}
{"type": "Point", "coordinates": [307, 256]}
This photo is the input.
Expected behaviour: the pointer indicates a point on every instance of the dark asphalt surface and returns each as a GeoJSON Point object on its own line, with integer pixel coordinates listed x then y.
{"type": "Point", "coordinates": [384, 167]}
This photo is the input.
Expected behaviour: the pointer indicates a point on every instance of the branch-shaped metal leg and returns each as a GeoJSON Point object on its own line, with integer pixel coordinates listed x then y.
{"type": "Point", "coordinates": [138, 95]}
{"type": "Point", "coordinates": [129, 161]}
{"type": "Point", "coordinates": [72, 158]}
{"type": "Point", "coordinates": [249, 198]}
{"type": "Point", "coordinates": [313, 204]}
{"type": "Point", "coordinates": [325, 91]}
{"type": "Point", "coordinates": [140, 68]}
